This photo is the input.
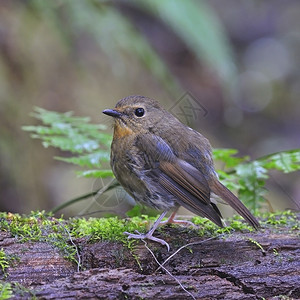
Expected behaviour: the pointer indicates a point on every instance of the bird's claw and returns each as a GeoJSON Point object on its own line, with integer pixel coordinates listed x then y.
{"type": "Point", "coordinates": [147, 236]}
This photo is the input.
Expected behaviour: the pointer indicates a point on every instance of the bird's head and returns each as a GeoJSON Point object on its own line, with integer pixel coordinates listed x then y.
{"type": "Point", "coordinates": [135, 114]}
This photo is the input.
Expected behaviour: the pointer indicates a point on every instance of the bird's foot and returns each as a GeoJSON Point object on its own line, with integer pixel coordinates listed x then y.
{"type": "Point", "coordinates": [147, 236]}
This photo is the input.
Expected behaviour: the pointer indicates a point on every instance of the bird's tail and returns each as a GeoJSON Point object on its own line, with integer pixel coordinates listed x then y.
{"type": "Point", "coordinates": [222, 191]}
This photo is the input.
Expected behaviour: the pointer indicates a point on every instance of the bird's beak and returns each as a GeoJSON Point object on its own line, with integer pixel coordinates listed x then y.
{"type": "Point", "coordinates": [112, 113]}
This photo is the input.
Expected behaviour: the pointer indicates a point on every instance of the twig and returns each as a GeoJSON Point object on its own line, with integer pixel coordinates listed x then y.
{"type": "Point", "coordinates": [168, 272]}
{"type": "Point", "coordinates": [76, 248]}
{"type": "Point", "coordinates": [187, 245]}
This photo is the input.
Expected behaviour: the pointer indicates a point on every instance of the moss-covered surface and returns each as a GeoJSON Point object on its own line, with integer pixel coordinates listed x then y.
{"type": "Point", "coordinates": [95, 243]}
{"type": "Point", "coordinates": [43, 227]}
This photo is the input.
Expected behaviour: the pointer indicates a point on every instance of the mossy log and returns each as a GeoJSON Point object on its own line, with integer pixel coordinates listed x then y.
{"type": "Point", "coordinates": [258, 265]}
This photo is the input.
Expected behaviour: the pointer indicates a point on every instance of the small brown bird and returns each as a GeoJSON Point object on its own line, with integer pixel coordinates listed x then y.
{"type": "Point", "coordinates": [165, 164]}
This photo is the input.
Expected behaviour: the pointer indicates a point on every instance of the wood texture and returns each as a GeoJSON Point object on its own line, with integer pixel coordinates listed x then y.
{"type": "Point", "coordinates": [233, 267]}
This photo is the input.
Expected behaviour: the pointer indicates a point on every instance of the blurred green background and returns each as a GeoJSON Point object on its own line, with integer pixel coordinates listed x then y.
{"type": "Point", "coordinates": [238, 60]}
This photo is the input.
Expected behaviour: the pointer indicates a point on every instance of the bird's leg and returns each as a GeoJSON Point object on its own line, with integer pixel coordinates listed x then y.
{"type": "Point", "coordinates": [148, 235]}
{"type": "Point", "coordinates": [172, 220]}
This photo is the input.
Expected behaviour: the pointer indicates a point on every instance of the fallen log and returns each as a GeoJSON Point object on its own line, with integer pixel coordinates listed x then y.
{"type": "Point", "coordinates": [239, 265]}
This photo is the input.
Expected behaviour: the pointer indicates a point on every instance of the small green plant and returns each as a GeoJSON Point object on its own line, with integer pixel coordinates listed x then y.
{"type": "Point", "coordinates": [6, 291]}
{"type": "Point", "coordinates": [10, 290]}
{"type": "Point", "coordinates": [257, 244]}
{"type": "Point", "coordinates": [4, 262]}
{"type": "Point", "coordinates": [89, 146]}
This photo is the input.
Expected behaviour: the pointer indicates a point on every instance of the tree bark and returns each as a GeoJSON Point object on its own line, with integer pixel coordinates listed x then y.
{"type": "Point", "coordinates": [231, 267]}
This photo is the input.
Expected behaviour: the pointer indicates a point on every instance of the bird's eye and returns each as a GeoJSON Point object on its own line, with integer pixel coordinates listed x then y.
{"type": "Point", "coordinates": [139, 112]}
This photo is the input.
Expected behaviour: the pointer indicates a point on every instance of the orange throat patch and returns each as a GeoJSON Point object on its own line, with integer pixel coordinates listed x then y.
{"type": "Point", "coordinates": [121, 131]}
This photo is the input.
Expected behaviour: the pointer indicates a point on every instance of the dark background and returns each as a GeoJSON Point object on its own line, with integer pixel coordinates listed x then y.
{"type": "Point", "coordinates": [236, 61]}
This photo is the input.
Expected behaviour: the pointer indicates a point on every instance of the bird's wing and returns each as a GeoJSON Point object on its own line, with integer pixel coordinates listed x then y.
{"type": "Point", "coordinates": [188, 177]}
{"type": "Point", "coordinates": [186, 183]}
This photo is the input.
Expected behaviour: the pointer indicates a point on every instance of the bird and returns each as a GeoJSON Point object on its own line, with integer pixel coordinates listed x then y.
{"type": "Point", "coordinates": [164, 164]}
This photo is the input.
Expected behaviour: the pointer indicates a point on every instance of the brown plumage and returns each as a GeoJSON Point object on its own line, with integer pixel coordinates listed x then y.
{"type": "Point", "coordinates": [165, 164]}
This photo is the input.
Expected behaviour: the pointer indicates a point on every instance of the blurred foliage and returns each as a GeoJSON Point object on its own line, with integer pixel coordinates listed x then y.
{"type": "Point", "coordinates": [111, 31]}
{"type": "Point", "coordinates": [201, 31]}
{"type": "Point", "coordinates": [76, 135]}
{"type": "Point", "coordinates": [90, 147]}
{"type": "Point", "coordinates": [116, 35]}
{"type": "Point", "coordinates": [80, 55]}
{"type": "Point", "coordinates": [249, 177]}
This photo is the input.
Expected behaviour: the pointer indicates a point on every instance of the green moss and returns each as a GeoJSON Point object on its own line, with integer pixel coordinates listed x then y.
{"type": "Point", "coordinates": [207, 227]}
{"type": "Point", "coordinates": [111, 229]}
{"type": "Point", "coordinates": [287, 218]}
{"type": "Point", "coordinates": [275, 220]}
{"type": "Point", "coordinates": [42, 227]}
{"type": "Point", "coordinates": [25, 228]}
{"type": "Point", "coordinates": [39, 226]}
